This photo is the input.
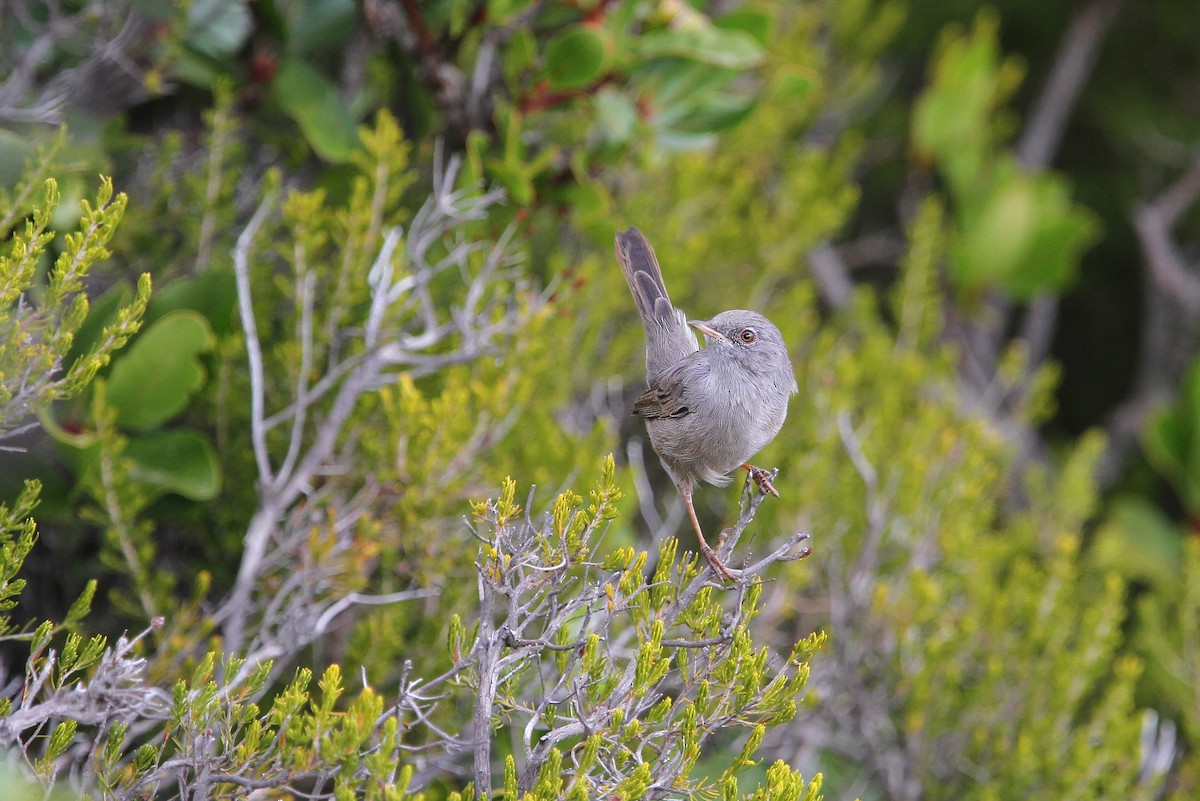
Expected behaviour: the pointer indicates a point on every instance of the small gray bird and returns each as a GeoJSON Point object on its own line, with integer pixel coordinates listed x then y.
{"type": "Point", "coordinates": [707, 411]}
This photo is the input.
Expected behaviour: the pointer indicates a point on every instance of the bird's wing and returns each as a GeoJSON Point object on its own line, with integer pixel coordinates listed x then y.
{"type": "Point", "coordinates": [657, 403]}
{"type": "Point", "coordinates": [668, 395]}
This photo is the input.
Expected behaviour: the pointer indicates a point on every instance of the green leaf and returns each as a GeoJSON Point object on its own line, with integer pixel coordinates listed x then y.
{"type": "Point", "coordinates": [500, 11]}
{"type": "Point", "coordinates": [690, 101]}
{"type": "Point", "coordinates": [520, 54]}
{"type": "Point", "coordinates": [199, 69]}
{"type": "Point", "coordinates": [1025, 235]}
{"type": "Point", "coordinates": [1171, 441]}
{"type": "Point", "coordinates": [719, 111]}
{"type": "Point", "coordinates": [616, 116]}
{"type": "Point", "coordinates": [70, 433]}
{"type": "Point", "coordinates": [733, 49]}
{"type": "Point", "coordinates": [179, 461]}
{"type": "Point", "coordinates": [753, 21]}
{"type": "Point", "coordinates": [1065, 230]}
{"type": "Point", "coordinates": [152, 381]}
{"type": "Point", "coordinates": [950, 120]}
{"type": "Point", "coordinates": [1140, 544]}
{"type": "Point", "coordinates": [953, 120]}
{"type": "Point", "coordinates": [794, 85]}
{"type": "Point", "coordinates": [217, 28]}
{"type": "Point", "coordinates": [15, 151]}
{"type": "Point", "coordinates": [318, 25]}
{"type": "Point", "coordinates": [213, 293]}
{"type": "Point", "coordinates": [576, 57]}
{"type": "Point", "coordinates": [309, 98]}
{"type": "Point", "coordinates": [997, 236]}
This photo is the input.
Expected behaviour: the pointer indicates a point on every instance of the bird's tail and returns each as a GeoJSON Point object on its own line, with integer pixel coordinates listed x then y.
{"type": "Point", "coordinates": [668, 337]}
{"type": "Point", "coordinates": [643, 275]}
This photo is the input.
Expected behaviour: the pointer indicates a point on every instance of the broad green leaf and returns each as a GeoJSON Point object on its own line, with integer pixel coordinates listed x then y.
{"type": "Point", "coordinates": [576, 57]}
{"type": "Point", "coordinates": [1024, 235]}
{"type": "Point", "coordinates": [198, 69]}
{"type": "Point", "coordinates": [15, 151]}
{"type": "Point", "coordinates": [1171, 442]}
{"type": "Point", "coordinates": [1064, 231]}
{"type": "Point", "coordinates": [682, 84]}
{"type": "Point", "coordinates": [217, 28]}
{"type": "Point", "coordinates": [520, 53]}
{"type": "Point", "coordinates": [993, 240]}
{"type": "Point", "coordinates": [616, 116]}
{"type": "Point", "coordinates": [954, 120]}
{"type": "Point", "coordinates": [213, 293]}
{"type": "Point", "coordinates": [1165, 441]}
{"type": "Point", "coordinates": [152, 381]}
{"type": "Point", "coordinates": [499, 11]}
{"type": "Point", "coordinates": [69, 433]}
{"type": "Point", "coordinates": [793, 85]}
{"type": "Point", "coordinates": [753, 21]}
{"type": "Point", "coordinates": [733, 49]}
{"type": "Point", "coordinates": [954, 111]}
{"type": "Point", "coordinates": [318, 25]}
{"type": "Point", "coordinates": [178, 461]}
{"type": "Point", "coordinates": [309, 98]}
{"type": "Point", "coordinates": [718, 111]}
{"type": "Point", "coordinates": [1140, 543]}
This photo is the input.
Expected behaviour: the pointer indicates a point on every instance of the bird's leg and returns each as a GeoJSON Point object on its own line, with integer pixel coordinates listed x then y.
{"type": "Point", "coordinates": [708, 552]}
{"type": "Point", "coordinates": [762, 478]}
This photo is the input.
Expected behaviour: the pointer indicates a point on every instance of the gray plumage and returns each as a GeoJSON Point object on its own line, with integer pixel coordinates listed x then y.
{"type": "Point", "coordinates": [707, 411]}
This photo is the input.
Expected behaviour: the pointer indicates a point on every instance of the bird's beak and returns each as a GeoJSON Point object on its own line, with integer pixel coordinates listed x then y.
{"type": "Point", "coordinates": [708, 330]}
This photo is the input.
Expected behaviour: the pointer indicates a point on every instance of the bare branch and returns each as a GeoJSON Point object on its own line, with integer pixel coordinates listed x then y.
{"type": "Point", "coordinates": [241, 267]}
{"type": "Point", "coordinates": [403, 329]}
{"type": "Point", "coordinates": [360, 599]}
{"type": "Point", "coordinates": [1170, 332]}
{"type": "Point", "coordinates": [1077, 54]}
{"type": "Point", "coordinates": [1153, 222]}
{"type": "Point", "coordinates": [831, 275]}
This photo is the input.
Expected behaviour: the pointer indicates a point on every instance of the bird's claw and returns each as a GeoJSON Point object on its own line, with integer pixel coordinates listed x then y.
{"type": "Point", "coordinates": [762, 478]}
{"type": "Point", "coordinates": [717, 565]}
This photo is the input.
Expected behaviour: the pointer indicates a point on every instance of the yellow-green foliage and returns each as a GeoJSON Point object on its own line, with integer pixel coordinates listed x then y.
{"type": "Point", "coordinates": [39, 320]}
{"type": "Point", "coordinates": [1169, 634]}
{"type": "Point", "coordinates": [307, 734]}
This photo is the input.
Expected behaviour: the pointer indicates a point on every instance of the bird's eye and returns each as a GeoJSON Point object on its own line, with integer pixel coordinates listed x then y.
{"type": "Point", "coordinates": [748, 335]}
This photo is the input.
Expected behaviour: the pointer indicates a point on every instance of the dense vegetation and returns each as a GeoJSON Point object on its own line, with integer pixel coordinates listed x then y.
{"type": "Point", "coordinates": [317, 472]}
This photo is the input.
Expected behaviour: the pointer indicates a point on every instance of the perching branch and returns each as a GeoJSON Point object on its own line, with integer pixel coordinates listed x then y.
{"type": "Point", "coordinates": [568, 648]}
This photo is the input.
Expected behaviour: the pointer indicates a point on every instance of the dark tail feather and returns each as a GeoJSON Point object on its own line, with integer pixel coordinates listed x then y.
{"type": "Point", "coordinates": [668, 338]}
{"type": "Point", "coordinates": [643, 275]}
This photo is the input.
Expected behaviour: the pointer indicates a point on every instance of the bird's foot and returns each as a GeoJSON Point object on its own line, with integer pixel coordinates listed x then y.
{"type": "Point", "coordinates": [762, 478]}
{"type": "Point", "coordinates": [715, 561]}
